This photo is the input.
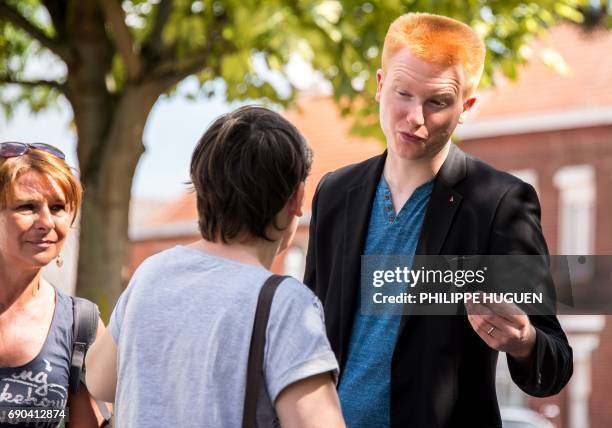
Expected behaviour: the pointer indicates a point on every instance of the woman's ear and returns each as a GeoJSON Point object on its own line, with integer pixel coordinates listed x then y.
{"type": "Point", "coordinates": [296, 202]}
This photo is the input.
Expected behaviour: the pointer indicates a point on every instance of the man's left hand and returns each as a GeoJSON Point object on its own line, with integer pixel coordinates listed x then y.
{"type": "Point", "coordinates": [504, 327]}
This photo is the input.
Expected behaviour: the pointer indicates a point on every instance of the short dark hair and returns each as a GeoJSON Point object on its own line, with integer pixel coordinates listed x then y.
{"type": "Point", "coordinates": [244, 169]}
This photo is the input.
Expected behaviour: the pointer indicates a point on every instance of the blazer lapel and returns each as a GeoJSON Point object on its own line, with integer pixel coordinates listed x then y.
{"type": "Point", "coordinates": [441, 210]}
{"type": "Point", "coordinates": [443, 203]}
{"type": "Point", "coordinates": [358, 207]}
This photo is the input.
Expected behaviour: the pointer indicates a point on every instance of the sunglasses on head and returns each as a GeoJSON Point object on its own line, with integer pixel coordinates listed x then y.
{"type": "Point", "coordinates": [12, 149]}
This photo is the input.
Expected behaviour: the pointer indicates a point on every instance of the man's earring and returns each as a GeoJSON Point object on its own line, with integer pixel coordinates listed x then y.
{"type": "Point", "coordinates": [59, 260]}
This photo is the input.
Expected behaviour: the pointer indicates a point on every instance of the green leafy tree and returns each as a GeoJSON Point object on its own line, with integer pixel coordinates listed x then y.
{"type": "Point", "coordinates": [116, 58]}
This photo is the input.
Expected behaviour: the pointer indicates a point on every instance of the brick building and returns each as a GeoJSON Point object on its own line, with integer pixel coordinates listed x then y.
{"type": "Point", "coordinates": [553, 129]}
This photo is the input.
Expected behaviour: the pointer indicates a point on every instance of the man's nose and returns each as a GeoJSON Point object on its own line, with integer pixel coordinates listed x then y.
{"type": "Point", "coordinates": [415, 116]}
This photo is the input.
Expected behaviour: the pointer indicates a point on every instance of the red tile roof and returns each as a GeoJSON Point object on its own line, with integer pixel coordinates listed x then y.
{"type": "Point", "coordinates": [179, 210]}
{"type": "Point", "coordinates": [539, 89]}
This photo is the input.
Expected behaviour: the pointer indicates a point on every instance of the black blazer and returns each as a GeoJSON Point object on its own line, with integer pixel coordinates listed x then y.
{"type": "Point", "coordinates": [442, 373]}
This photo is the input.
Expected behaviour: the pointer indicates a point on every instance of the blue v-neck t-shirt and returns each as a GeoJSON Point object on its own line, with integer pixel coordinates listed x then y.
{"type": "Point", "coordinates": [364, 388]}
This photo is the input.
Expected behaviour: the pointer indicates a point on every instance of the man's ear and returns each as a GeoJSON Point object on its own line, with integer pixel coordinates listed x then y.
{"type": "Point", "coordinates": [467, 105]}
{"type": "Point", "coordinates": [296, 202]}
{"type": "Point", "coordinates": [379, 83]}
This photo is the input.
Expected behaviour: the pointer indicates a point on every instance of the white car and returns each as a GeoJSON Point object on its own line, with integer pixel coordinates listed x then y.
{"type": "Point", "coordinates": [520, 417]}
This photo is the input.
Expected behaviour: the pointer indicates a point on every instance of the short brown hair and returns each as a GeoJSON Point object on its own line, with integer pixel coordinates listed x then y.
{"type": "Point", "coordinates": [244, 169]}
{"type": "Point", "coordinates": [45, 163]}
{"type": "Point", "coordinates": [439, 40]}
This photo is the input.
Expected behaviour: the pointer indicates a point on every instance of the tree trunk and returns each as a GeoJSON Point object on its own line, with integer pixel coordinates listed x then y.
{"type": "Point", "coordinates": [104, 219]}
{"type": "Point", "coordinates": [109, 129]}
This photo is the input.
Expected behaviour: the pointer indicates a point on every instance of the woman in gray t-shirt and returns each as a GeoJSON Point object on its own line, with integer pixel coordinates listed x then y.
{"type": "Point", "coordinates": [177, 346]}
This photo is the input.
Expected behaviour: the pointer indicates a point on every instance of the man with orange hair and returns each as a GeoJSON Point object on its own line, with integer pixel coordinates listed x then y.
{"type": "Point", "coordinates": [424, 196]}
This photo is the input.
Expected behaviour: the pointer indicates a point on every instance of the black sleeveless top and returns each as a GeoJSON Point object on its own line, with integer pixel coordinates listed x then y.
{"type": "Point", "coordinates": [43, 382]}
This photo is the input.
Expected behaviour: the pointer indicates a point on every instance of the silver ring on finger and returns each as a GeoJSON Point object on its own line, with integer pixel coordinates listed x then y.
{"type": "Point", "coordinates": [490, 332]}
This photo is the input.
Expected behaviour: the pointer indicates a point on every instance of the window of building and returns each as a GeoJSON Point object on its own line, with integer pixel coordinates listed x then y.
{"type": "Point", "coordinates": [577, 193]}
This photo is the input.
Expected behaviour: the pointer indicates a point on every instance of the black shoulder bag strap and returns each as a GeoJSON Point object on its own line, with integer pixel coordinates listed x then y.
{"type": "Point", "coordinates": [256, 350]}
{"type": "Point", "coordinates": [84, 330]}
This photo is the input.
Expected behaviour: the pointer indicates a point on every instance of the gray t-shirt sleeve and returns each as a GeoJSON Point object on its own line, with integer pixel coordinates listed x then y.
{"type": "Point", "coordinates": [296, 342]}
{"type": "Point", "coordinates": [116, 318]}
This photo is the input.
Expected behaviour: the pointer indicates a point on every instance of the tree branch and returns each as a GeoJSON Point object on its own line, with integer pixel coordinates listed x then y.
{"type": "Point", "coordinates": [57, 12]}
{"type": "Point", "coordinates": [170, 70]}
{"type": "Point", "coordinates": [123, 39]}
{"type": "Point", "coordinates": [175, 66]}
{"type": "Point", "coordinates": [14, 17]}
{"type": "Point", "coordinates": [7, 80]}
{"type": "Point", "coordinates": [154, 42]}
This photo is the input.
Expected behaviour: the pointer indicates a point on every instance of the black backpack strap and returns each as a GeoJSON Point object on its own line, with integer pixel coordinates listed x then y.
{"type": "Point", "coordinates": [256, 350]}
{"type": "Point", "coordinates": [84, 329]}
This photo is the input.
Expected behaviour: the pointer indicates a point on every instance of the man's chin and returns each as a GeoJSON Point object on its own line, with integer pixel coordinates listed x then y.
{"type": "Point", "coordinates": [415, 152]}
{"type": "Point", "coordinates": [408, 152]}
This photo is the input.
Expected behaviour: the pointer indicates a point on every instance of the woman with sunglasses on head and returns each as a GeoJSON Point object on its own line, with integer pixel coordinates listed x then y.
{"type": "Point", "coordinates": [39, 200]}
